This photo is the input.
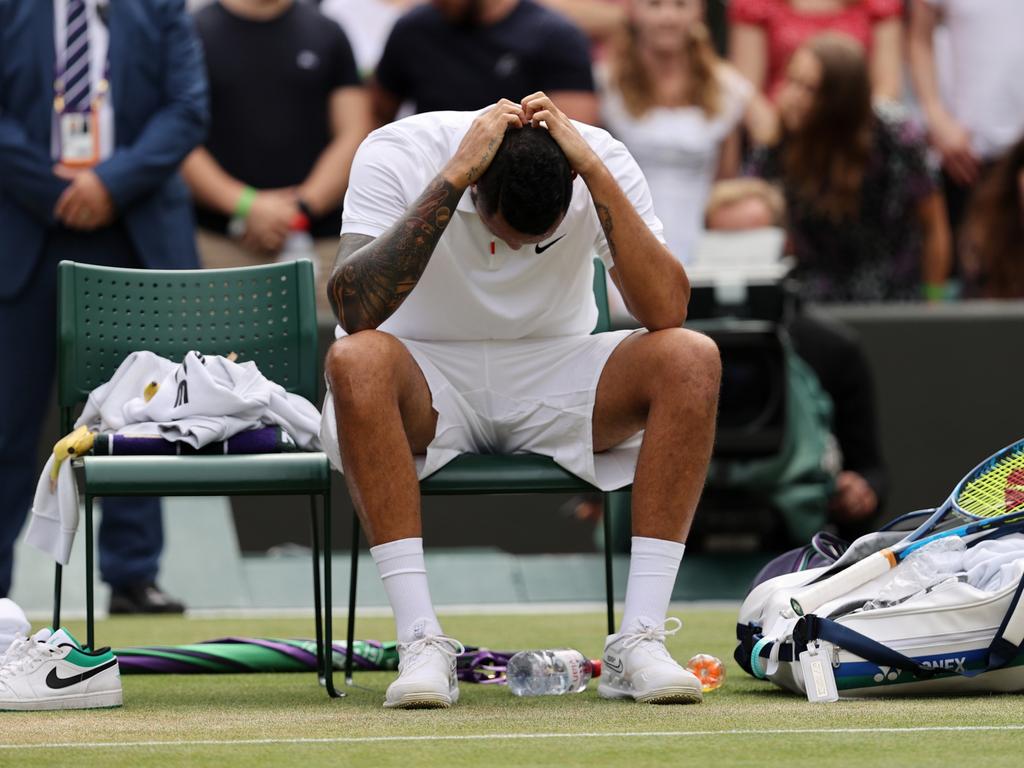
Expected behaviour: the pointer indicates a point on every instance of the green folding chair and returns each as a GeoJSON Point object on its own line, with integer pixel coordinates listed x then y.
{"type": "Point", "coordinates": [475, 474]}
{"type": "Point", "coordinates": [264, 314]}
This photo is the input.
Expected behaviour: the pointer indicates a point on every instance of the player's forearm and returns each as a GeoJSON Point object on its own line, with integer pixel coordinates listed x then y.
{"type": "Point", "coordinates": [370, 284]}
{"type": "Point", "coordinates": [653, 282]}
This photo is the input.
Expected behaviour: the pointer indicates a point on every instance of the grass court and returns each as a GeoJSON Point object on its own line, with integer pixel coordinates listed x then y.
{"type": "Point", "coordinates": [287, 720]}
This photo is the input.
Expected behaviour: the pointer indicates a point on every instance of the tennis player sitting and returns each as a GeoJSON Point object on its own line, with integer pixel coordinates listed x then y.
{"type": "Point", "coordinates": [464, 283]}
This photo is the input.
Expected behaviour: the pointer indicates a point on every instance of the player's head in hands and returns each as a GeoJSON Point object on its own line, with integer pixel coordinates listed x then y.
{"type": "Point", "coordinates": [524, 194]}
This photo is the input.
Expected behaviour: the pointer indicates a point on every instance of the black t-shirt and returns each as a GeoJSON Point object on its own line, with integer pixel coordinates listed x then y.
{"type": "Point", "coordinates": [439, 65]}
{"type": "Point", "coordinates": [270, 87]}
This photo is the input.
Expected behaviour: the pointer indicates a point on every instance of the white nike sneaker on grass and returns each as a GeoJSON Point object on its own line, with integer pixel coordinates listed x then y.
{"type": "Point", "coordinates": [636, 665]}
{"type": "Point", "coordinates": [55, 673]}
{"type": "Point", "coordinates": [426, 673]}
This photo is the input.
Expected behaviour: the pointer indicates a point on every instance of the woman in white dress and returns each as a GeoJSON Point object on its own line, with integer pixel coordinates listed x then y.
{"type": "Point", "coordinates": [677, 107]}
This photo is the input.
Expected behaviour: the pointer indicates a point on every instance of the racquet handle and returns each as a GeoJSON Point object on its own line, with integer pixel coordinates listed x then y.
{"type": "Point", "coordinates": [816, 595]}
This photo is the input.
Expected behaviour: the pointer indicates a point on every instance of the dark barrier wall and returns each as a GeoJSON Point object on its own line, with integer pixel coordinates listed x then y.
{"type": "Point", "coordinates": [949, 381]}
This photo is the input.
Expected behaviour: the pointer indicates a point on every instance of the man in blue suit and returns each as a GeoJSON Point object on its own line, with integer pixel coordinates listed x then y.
{"type": "Point", "coordinates": [100, 100]}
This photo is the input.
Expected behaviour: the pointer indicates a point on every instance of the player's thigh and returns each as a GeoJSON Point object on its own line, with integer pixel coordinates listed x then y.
{"type": "Point", "coordinates": [643, 367]}
{"type": "Point", "coordinates": [375, 372]}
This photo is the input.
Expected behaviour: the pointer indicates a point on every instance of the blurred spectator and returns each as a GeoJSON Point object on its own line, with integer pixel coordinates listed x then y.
{"type": "Point", "coordinates": [838, 359]}
{"type": "Point", "coordinates": [994, 232]}
{"type": "Point", "coordinates": [764, 35]}
{"type": "Point", "coordinates": [287, 113]}
{"type": "Point", "coordinates": [866, 220]}
{"type": "Point", "coordinates": [600, 20]}
{"type": "Point", "coordinates": [739, 204]}
{"type": "Point", "coordinates": [367, 24]}
{"type": "Point", "coordinates": [466, 54]}
{"type": "Point", "coordinates": [984, 113]}
{"type": "Point", "coordinates": [98, 105]}
{"type": "Point", "coordinates": [676, 106]}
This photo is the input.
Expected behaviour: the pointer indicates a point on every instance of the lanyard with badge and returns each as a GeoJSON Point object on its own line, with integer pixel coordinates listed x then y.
{"type": "Point", "coordinates": [79, 129]}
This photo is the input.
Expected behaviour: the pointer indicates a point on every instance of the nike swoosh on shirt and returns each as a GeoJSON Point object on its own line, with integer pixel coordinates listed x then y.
{"type": "Point", "coordinates": [538, 248]}
{"type": "Point", "coordinates": [55, 681]}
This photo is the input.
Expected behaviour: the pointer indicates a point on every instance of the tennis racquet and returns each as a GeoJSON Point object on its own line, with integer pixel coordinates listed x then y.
{"type": "Point", "coordinates": [990, 496]}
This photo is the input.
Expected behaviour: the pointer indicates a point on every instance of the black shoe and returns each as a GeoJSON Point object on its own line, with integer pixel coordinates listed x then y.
{"type": "Point", "coordinates": [143, 598]}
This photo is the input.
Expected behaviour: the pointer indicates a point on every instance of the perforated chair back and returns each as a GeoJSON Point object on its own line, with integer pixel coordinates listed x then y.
{"type": "Point", "coordinates": [266, 314]}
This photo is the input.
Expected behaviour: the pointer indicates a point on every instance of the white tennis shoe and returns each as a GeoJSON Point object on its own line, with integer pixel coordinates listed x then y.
{"type": "Point", "coordinates": [636, 665]}
{"type": "Point", "coordinates": [51, 671]}
{"type": "Point", "coordinates": [426, 673]}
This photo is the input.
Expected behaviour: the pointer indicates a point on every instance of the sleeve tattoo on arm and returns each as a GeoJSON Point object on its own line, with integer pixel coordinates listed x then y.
{"type": "Point", "coordinates": [604, 215]}
{"type": "Point", "coordinates": [371, 282]}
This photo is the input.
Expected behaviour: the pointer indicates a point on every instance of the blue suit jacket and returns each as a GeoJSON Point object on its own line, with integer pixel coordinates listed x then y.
{"type": "Point", "coordinates": [158, 83]}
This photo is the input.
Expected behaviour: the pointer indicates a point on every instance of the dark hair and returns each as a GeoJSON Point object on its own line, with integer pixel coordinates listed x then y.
{"type": "Point", "coordinates": [995, 230]}
{"type": "Point", "coordinates": [529, 181]}
{"type": "Point", "coordinates": [825, 159]}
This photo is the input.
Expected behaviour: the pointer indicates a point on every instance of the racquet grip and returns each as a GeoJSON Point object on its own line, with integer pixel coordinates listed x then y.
{"type": "Point", "coordinates": [816, 595]}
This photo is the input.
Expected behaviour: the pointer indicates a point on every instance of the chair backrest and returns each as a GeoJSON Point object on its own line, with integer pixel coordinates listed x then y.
{"type": "Point", "coordinates": [604, 322]}
{"type": "Point", "coordinates": [266, 314]}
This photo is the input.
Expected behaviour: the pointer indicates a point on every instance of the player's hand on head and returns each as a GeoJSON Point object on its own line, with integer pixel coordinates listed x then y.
{"type": "Point", "coordinates": [481, 142]}
{"type": "Point", "coordinates": [539, 108]}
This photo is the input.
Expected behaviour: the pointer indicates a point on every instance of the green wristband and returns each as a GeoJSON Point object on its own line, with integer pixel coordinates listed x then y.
{"type": "Point", "coordinates": [244, 204]}
{"type": "Point", "coordinates": [934, 291]}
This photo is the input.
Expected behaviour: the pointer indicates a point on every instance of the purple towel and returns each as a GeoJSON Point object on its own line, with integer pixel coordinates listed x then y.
{"type": "Point", "coordinates": [262, 440]}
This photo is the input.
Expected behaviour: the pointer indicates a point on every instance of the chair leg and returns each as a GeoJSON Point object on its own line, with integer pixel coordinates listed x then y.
{"type": "Point", "coordinates": [90, 633]}
{"type": "Point", "coordinates": [58, 576]}
{"type": "Point", "coordinates": [333, 692]}
{"type": "Point", "coordinates": [317, 616]}
{"type": "Point", "coordinates": [609, 584]}
{"type": "Point", "coordinates": [350, 641]}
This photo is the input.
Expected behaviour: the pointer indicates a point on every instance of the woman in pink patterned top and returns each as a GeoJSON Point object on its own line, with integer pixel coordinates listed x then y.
{"type": "Point", "coordinates": [765, 33]}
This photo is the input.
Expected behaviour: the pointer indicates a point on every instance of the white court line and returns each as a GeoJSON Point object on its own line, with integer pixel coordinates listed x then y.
{"type": "Point", "coordinates": [519, 736]}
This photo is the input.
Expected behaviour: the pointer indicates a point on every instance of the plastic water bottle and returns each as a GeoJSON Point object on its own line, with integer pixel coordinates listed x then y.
{"type": "Point", "coordinates": [923, 569]}
{"type": "Point", "coordinates": [549, 673]}
{"type": "Point", "coordinates": [299, 243]}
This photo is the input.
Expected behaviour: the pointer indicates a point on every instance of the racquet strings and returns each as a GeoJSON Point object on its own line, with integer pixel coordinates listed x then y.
{"type": "Point", "coordinates": [998, 489]}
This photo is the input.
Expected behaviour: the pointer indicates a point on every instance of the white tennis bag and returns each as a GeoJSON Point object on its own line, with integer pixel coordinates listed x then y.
{"type": "Point", "coordinates": [946, 620]}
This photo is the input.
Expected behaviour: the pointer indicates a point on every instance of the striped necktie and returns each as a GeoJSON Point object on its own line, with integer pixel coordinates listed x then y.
{"type": "Point", "coordinates": [77, 83]}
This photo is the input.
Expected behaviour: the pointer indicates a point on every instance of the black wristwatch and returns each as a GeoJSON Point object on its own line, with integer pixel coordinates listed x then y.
{"type": "Point", "coordinates": [306, 210]}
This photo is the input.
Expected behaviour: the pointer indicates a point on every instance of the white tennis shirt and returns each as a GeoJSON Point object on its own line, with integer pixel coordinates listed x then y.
{"type": "Point", "coordinates": [467, 292]}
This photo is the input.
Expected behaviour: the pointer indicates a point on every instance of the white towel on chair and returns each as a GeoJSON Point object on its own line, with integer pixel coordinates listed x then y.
{"type": "Point", "coordinates": [202, 400]}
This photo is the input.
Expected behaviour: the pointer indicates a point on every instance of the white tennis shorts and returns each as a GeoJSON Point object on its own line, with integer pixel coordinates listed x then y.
{"type": "Point", "coordinates": [520, 396]}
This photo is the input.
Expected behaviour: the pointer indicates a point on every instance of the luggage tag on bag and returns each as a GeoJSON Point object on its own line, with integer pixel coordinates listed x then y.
{"type": "Point", "coordinates": [819, 678]}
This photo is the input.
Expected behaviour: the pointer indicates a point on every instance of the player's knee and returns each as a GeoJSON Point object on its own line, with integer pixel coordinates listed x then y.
{"type": "Point", "coordinates": [688, 361]}
{"type": "Point", "coordinates": [362, 366]}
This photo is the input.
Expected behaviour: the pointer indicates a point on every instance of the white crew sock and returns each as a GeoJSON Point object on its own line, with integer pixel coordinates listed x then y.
{"type": "Point", "coordinates": [404, 573]}
{"type": "Point", "coordinates": [653, 565]}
